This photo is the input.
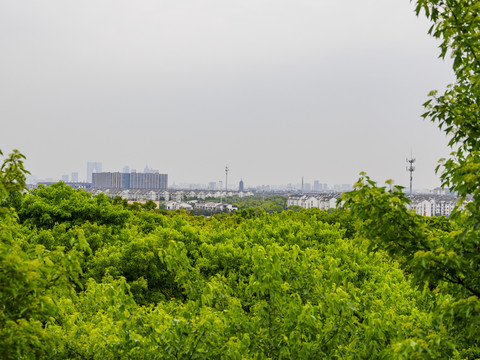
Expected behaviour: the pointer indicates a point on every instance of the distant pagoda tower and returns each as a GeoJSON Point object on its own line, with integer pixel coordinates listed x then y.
{"type": "Point", "coordinates": [240, 185]}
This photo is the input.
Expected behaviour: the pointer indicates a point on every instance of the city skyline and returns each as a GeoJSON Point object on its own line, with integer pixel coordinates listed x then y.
{"type": "Point", "coordinates": [74, 177]}
{"type": "Point", "coordinates": [322, 89]}
{"type": "Point", "coordinates": [304, 185]}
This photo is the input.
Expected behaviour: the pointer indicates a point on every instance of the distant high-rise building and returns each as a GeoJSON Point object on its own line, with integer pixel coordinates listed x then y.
{"type": "Point", "coordinates": [111, 180]}
{"type": "Point", "coordinates": [307, 187]}
{"type": "Point", "coordinates": [342, 187]}
{"type": "Point", "coordinates": [240, 185]}
{"type": "Point", "coordinates": [65, 178]}
{"type": "Point", "coordinates": [150, 171]}
{"type": "Point", "coordinates": [212, 185]}
{"type": "Point", "coordinates": [126, 169]}
{"type": "Point", "coordinates": [316, 185]}
{"type": "Point", "coordinates": [148, 181]}
{"type": "Point", "coordinates": [74, 176]}
{"type": "Point", "coordinates": [117, 180]}
{"type": "Point", "coordinates": [93, 167]}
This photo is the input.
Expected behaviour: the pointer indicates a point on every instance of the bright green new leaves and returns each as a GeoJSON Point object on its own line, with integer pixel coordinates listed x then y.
{"type": "Point", "coordinates": [434, 251]}
{"type": "Point", "coordinates": [12, 174]}
{"type": "Point", "coordinates": [12, 180]}
{"type": "Point", "coordinates": [235, 286]}
{"type": "Point", "coordinates": [32, 285]}
{"type": "Point", "coordinates": [446, 258]}
{"type": "Point", "coordinates": [457, 25]}
{"type": "Point", "coordinates": [59, 203]}
{"type": "Point", "coordinates": [309, 295]}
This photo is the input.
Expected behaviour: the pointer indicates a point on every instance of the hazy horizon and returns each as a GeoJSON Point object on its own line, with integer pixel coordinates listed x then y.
{"type": "Point", "coordinates": [275, 91]}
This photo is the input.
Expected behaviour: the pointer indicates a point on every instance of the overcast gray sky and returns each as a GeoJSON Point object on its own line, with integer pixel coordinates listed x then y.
{"type": "Point", "coordinates": [275, 89]}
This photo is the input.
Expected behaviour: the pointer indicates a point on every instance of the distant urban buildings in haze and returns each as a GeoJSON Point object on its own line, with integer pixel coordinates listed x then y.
{"type": "Point", "coordinates": [318, 187]}
{"type": "Point", "coordinates": [150, 171]}
{"type": "Point", "coordinates": [127, 180]}
{"type": "Point", "coordinates": [118, 180]}
{"type": "Point", "coordinates": [73, 178]}
{"type": "Point", "coordinates": [93, 167]}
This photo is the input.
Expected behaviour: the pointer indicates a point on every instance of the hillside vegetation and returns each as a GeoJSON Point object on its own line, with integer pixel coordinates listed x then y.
{"type": "Point", "coordinates": [85, 278]}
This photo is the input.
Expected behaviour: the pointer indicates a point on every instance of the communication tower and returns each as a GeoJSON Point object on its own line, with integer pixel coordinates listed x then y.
{"type": "Point", "coordinates": [411, 169]}
{"type": "Point", "coordinates": [226, 178]}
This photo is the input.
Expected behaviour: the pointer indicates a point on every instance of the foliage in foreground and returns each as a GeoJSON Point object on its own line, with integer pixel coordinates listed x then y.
{"type": "Point", "coordinates": [448, 263]}
{"type": "Point", "coordinates": [115, 283]}
{"type": "Point", "coordinates": [82, 277]}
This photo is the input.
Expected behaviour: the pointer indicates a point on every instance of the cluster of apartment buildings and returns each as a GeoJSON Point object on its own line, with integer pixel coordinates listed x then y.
{"type": "Point", "coordinates": [209, 206]}
{"type": "Point", "coordinates": [167, 195]}
{"type": "Point", "coordinates": [322, 201]}
{"type": "Point", "coordinates": [432, 205]}
{"type": "Point", "coordinates": [423, 204]}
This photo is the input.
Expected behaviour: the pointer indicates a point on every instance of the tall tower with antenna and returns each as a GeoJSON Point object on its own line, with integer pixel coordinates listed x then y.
{"type": "Point", "coordinates": [226, 178]}
{"type": "Point", "coordinates": [411, 169]}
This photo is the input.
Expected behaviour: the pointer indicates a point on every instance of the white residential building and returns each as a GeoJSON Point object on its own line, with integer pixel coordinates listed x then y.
{"type": "Point", "coordinates": [425, 205]}
{"type": "Point", "coordinates": [308, 201]}
{"type": "Point", "coordinates": [432, 205]}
